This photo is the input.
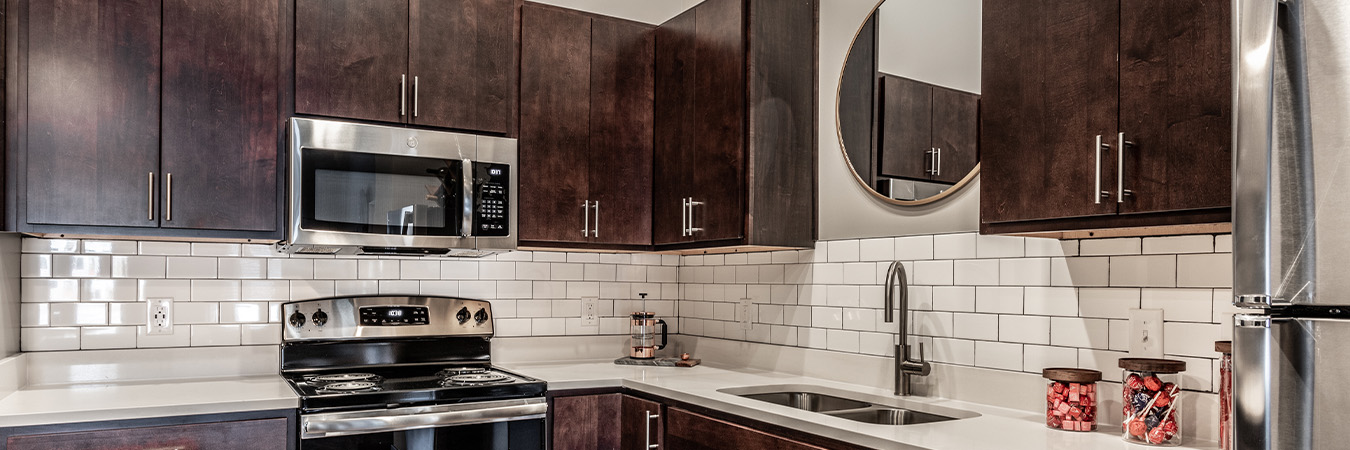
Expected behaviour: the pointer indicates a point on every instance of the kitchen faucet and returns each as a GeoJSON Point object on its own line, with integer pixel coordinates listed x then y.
{"type": "Point", "coordinates": [904, 367]}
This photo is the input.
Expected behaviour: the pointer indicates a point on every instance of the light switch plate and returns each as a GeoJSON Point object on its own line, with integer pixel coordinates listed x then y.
{"type": "Point", "coordinates": [743, 313]}
{"type": "Point", "coordinates": [1146, 333]}
{"type": "Point", "coordinates": [590, 312]}
{"type": "Point", "coordinates": [159, 316]}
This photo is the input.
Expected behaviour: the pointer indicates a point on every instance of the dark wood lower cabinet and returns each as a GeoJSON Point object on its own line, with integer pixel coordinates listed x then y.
{"type": "Point", "coordinates": [586, 422]}
{"type": "Point", "coordinates": [641, 424]}
{"type": "Point", "coordinates": [688, 431]}
{"type": "Point", "coordinates": [258, 434]}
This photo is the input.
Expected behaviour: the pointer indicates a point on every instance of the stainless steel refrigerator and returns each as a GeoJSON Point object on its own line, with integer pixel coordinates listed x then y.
{"type": "Point", "coordinates": [1291, 224]}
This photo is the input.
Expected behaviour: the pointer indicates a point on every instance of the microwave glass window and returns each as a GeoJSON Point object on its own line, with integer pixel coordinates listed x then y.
{"type": "Point", "coordinates": [381, 194]}
{"type": "Point", "coordinates": [401, 203]}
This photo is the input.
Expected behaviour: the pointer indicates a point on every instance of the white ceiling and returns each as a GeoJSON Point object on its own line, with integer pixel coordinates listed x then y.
{"type": "Point", "coordinates": [654, 12]}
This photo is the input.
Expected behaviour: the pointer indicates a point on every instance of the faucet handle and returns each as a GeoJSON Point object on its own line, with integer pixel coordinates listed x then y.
{"type": "Point", "coordinates": [921, 358]}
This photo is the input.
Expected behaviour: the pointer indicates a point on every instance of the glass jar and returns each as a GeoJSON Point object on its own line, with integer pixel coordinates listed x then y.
{"type": "Point", "coordinates": [1071, 399]}
{"type": "Point", "coordinates": [1152, 394]}
{"type": "Point", "coordinates": [1225, 394]}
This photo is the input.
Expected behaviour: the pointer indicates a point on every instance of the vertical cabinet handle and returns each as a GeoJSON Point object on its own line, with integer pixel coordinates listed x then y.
{"type": "Point", "coordinates": [586, 219]}
{"type": "Point", "coordinates": [414, 96]}
{"type": "Point", "coordinates": [684, 216]}
{"type": "Point", "coordinates": [1098, 194]}
{"type": "Point", "coordinates": [168, 196]}
{"type": "Point", "coordinates": [150, 196]}
{"type": "Point", "coordinates": [647, 436]}
{"type": "Point", "coordinates": [595, 232]}
{"type": "Point", "coordinates": [1121, 143]}
{"type": "Point", "coordinates": [402, 94]}
{"type": "Point", "coordinates": [937, 166]}
{"type": "Point", "coordinates": [692, 204]}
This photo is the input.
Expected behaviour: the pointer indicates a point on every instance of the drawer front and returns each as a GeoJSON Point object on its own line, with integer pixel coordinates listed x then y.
{"type": "Point", "coordinates": [263, 434]}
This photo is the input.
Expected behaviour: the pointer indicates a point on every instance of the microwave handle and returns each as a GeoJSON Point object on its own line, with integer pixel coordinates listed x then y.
{"type": "Point", "coordinates": [468, 186]}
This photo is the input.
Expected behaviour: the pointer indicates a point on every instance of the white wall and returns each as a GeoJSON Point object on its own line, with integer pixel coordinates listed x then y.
{"type": "Point", "coordinates": [933, 42]}
{"type": "Point", "coordinates": [846, 208]}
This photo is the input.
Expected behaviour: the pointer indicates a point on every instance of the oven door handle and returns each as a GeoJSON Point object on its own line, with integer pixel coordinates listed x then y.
{"type": "Point", "coordinates": [342, 424]}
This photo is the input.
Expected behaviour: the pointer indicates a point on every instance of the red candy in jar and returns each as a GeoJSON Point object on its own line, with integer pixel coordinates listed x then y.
{"type": "Point", "coordinates": [1151, 394]}
{"type": "Point", "coordinates": [1071, 399]}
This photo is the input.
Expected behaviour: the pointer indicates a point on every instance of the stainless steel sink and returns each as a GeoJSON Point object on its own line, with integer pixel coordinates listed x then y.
{"type": "Point", "coordinates": [855, 406]}
{"type": "Point", "coordinates": [809, 401]}
{"type": "Point", "coordinates": [891, 416]}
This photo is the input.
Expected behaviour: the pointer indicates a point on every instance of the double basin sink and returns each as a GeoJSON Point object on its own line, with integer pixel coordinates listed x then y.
{"type": "Point", "coordinates": [855, 406]}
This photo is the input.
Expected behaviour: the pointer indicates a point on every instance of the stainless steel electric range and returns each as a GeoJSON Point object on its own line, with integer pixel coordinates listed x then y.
{"type": "Point", "coordinates": [405, 373]}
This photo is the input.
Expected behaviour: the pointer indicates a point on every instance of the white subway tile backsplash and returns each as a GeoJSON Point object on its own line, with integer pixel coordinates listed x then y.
{"type": "Point", "coordinates": [1024, 329]}
{"type": "Point", "coordinates": [215, 335]}
{"type": "Point", "coordinates": [41, 290]}
{"type": "Point", "coordinates": [1207, 270]}
{"type": "Point", "coordinates": [49, 339]}
{"type": "Point", "coordinates": [358, 287]}
{"type": "Point", "coordinates": [78, 314]}
{"type": "Point", "coordinates": [190, 267]}
{"type": "Point", "coordinates": [1000, 247]}
{"type": "Point", "coordinates": [1024, 272]}
{"type": "Point", "coordinates": [37, 245]}
{"type": "Point", "coordinates": [976, 272]}
{"type": "Point", "coordinates": [822, 317]}
{"type": "Point", "coordinates": [1179, 244]}
{"type": "Point", "coordinates": [1110, 247]}
{"type": "Point", "coordinates": [165, 248]}
{"type": "Point", "coordinates": [386, 269]}
{"type": "Point", "coordinates": [954, 351]}
{"type": "Point", "coordinates": [1001, 300]}
{"type": "Point", "coordinates": [34, 315]}
{"type": "Point", "coordinates": [998, 355]}
{"type": "Point", "coordinates": [35, 265]}
{"type": "Point", "coordinates": [110, 247]}
{"type": "Point", "coordinates": [1180, 305]}
{"type": "Point", "coordinates": [243, 312]}
{"type": "Point", "coordinates": [842, 341]}
{"type": "Point", "coordinates": [954, 298]}
{"type": "Point", "coordinates": [137, 266]}
{"type": "Point", "coordinates": [1223, 243]}
{"type": "Point", "coordinates": [401, 287]}
{"type": "Point", "coordinates": [842, 251]}
{"type": "Point", "coordinates": [1107, 303]}
{"type": "Point", "coordinates": [242, 268]}
{"type": "Point", "coordinates": [1050, 301]}
{"type": "Point", "coordinates": [914, 247]}
{"type": "Point", "coordinates": [933, 323]}
{"type": "Point", "coordinates": [982, 327]}
{"type": "Point", "coordinates": [1119, 335]}
{"type": "Point", "coordinates": [338, 269]}
{"type": "Point", "coordinates": [1081, 272]}
{"type": "Point", "coordinates": [265, 290]}
{"type": "Point", "coordinates": [496, 270]}
{"type": "Point", "coordinates": [1141, 271]}
{"type": "Point", "coordinates": [101, 338]}
{"type": "Point", "coordinates": [1053, 248]}
{"type": "Point", "coordinates": [107, 290]}
{"type": "Point", "coordinates": [1078, 332]}
{"type": "Point", "coordinates": [180, 337]}
{"type": "Point", "coordinates": [1037, 358]}
{"type": "Point", "coordinates": [426, 269]}
{"type": "Point", "coordinates": [955, 246]}
{"type": "Point", "coordinates": [195, 313]}
{"type": "Point", "coordinates": [1190, 339]}
{"type": "Point", "coordinates": [876, 249]}
{"type": "Point", "coordinates": [860, 273]}
{"type": "Point", "coordinates": [290, 269]}
{"type": "Point", "coordinates": [932, 273]}
{"type": "Point", "coordinates": [126, 313]}
{"type": "Point", "coordinates": [208, 249]}
{"type": "Point", "coordinates": [260, 334]}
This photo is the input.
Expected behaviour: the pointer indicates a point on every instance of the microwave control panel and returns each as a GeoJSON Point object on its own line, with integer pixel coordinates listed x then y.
{"type": "Point", "coordinates": [492, 198]}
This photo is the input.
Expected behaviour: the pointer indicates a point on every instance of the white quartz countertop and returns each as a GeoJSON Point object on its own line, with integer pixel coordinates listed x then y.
{"type": "Point", "coordinates": [995, 428]}
{"type": "Point", "coordinates": [52, 404]}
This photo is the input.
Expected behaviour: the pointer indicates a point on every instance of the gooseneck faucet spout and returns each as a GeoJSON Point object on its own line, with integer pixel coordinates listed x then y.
{"type": "Point", "coordinates": [904, 366]}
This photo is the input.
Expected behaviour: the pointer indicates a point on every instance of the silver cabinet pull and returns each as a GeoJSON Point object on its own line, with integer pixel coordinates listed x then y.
{"type": "Point", "coordinates": [586, 219]}
{"type": "Point", "coordinates": [595, 232]}
{"type": "Point", "coordinates": [150, 195]}
{"type": "Point", "coordinates": [937, 166]}
{"type": "Point", "coordinates": [928, 169]}
{"type": "Point", "coordinates": [168, 196]}
{"type": "Point", "coordinates": [647, 436]}
{"type": "Point", "coordinates": [414, 96]}
{"type": "Point", "coordinates": [1121, 143]}
{"type": "Point", "coordinates": [402, 94]}
{"type": "Point", "coordinates": [1098, 194]}
{"type": "Point", "coordinates": [684, 216]}
{"type": "Point", "coordinates": [692, 228]}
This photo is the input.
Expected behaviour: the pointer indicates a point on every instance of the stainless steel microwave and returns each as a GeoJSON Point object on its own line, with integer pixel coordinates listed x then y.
{"type": "Point", "coordinates": [370, 189]}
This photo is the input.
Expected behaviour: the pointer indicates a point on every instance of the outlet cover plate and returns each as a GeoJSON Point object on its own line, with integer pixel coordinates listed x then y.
{"type": "Point", "coordinates": [590, 312]}
{"type": "Point", "coordinates": [1146, 333]}
{"type": "Point", "coordinates": [159, 316]}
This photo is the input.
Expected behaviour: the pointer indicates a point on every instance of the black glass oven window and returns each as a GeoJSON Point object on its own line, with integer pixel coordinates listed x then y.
{"type": "Point", "coordinates": [516, 435]}
{"type": "Point", "coordinates": [383, 194]}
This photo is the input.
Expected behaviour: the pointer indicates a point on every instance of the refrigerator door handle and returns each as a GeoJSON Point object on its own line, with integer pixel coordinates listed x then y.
{"type": "Point", "coordinates": [1252, 380]}
{"type": "Point", "coordinates": [1254, 32]}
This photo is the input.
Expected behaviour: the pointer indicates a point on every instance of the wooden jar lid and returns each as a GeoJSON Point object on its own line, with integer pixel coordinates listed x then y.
{"type": "Point", "coordinates": [1223, 346]}
{"type": "Point", "coordinates": [1153, 365]}
{"type": "Point", "coordinates": [1072, 375]}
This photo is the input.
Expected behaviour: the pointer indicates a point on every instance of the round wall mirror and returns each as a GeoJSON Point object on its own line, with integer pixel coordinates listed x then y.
{"type": "Point", "coordinates": [908, 100]}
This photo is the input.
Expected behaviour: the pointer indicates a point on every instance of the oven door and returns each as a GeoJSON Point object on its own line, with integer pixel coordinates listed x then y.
{"type": "Point", "coordinates": [497, 425]}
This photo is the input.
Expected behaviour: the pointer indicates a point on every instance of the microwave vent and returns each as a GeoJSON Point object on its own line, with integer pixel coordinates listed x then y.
{"type": "Point", "coordinates": [314, 250]}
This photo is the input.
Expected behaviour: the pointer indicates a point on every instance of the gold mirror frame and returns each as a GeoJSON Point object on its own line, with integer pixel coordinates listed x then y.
{"type": "Point", "coordinates": [848, 164]}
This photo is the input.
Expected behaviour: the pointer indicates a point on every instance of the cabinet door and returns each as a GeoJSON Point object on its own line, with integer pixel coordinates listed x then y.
{"type": "Point", "coordinates": [1049, 87]}
{"type": "Point", "coordinates": [586, 422]}
{"type": "Point", "coordinates": [461, 53]}
{"type": "Point", "coordinates": [906, 136]}
{"type": "Point", "coordinates": [221, 117]}
{"type": "Point", "coordinates": [260, 434]}
{"type": "Point", "coordinates": [719, 121]}
{"type": "Point", "coordinates": [621, 132]}
{"type": "Point", "coordinates": [93, 112]}
{"type": "Point", "coordinates": [673, 127]}
{"type": "Point", "coordinates": [956, 133]}
{"type": "Point", "coordinates": [689, 431]}
{"type": "Point", "coordinates": [1176, 104]}
{"type": "Point", "coordinates": [554, 124]}
{"type": "Point", "coordinates": [349, 56]}
{"type": "Point", "coordinates": [639, 429]}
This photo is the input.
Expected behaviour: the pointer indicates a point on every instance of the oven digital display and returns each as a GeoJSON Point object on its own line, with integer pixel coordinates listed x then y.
{"type": "Point", "coordinates": [393, 315]}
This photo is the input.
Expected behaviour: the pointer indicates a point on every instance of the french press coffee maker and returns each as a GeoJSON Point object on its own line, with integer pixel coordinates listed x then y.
{"type": "Point", "coordinates": [643, 327]}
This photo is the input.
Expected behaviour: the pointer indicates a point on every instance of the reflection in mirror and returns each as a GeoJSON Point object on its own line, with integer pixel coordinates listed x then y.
{"type": "Point", "coordinates": [908, 129]}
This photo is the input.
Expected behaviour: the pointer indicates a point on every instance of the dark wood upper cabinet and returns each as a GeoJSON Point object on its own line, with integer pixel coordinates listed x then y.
{"type": "Point", "coordinates": [956, 133]}
{"type": "Point", "coordinates": [586, 122]}
{"type": "Point", "coordinates": [170, 125]}
{"type": "Point", "coordinates": [689, 431]}
{"type": "Point", "coordinates": [222, 80]}
{"type": "Point", "coordinates": [905, 139]}
{"type": "Point", "coordinates": [554, 124]}
{"type": "Point", "coordinates": [1053, 88]}
{"type": "Point", "coordinates": [440, 63]}
{"type": "Point", "coordinates": [857, 94]}
{"type": "Point", "coordinates": [737, 81]}
{"type": "Point", "coordinates": [461, 55]}
{"type": "Point", "coordinates": [351, 59]}
{"type": "Point", "coordinates": [92, 118]}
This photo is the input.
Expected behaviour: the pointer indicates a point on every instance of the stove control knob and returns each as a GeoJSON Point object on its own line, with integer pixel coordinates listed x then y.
{"type": "Point", "coordinates": [297, 319]}
{"type": "Point", "coordinates": [480, 316]}
{"type": "Point", "coordinates": [320, 318]}
{"type": "Point", "coordinates": [462, 315]}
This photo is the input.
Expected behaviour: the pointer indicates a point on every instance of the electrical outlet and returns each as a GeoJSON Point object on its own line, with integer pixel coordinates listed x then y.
{"type": "Point", "coordinates": [1146, 333]}
{"type": "Point", "coordinates": [590, 312]}
{"type": "Point", "coordinates": [159, 316]}
{"type": "Point", "coordinates": [743, 313]}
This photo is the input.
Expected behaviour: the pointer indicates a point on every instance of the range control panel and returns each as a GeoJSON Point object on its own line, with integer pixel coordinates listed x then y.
{"type": "Point", "coordinates": [492, 198]}
{"type": "Point", "coordinates": [385, 316]}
